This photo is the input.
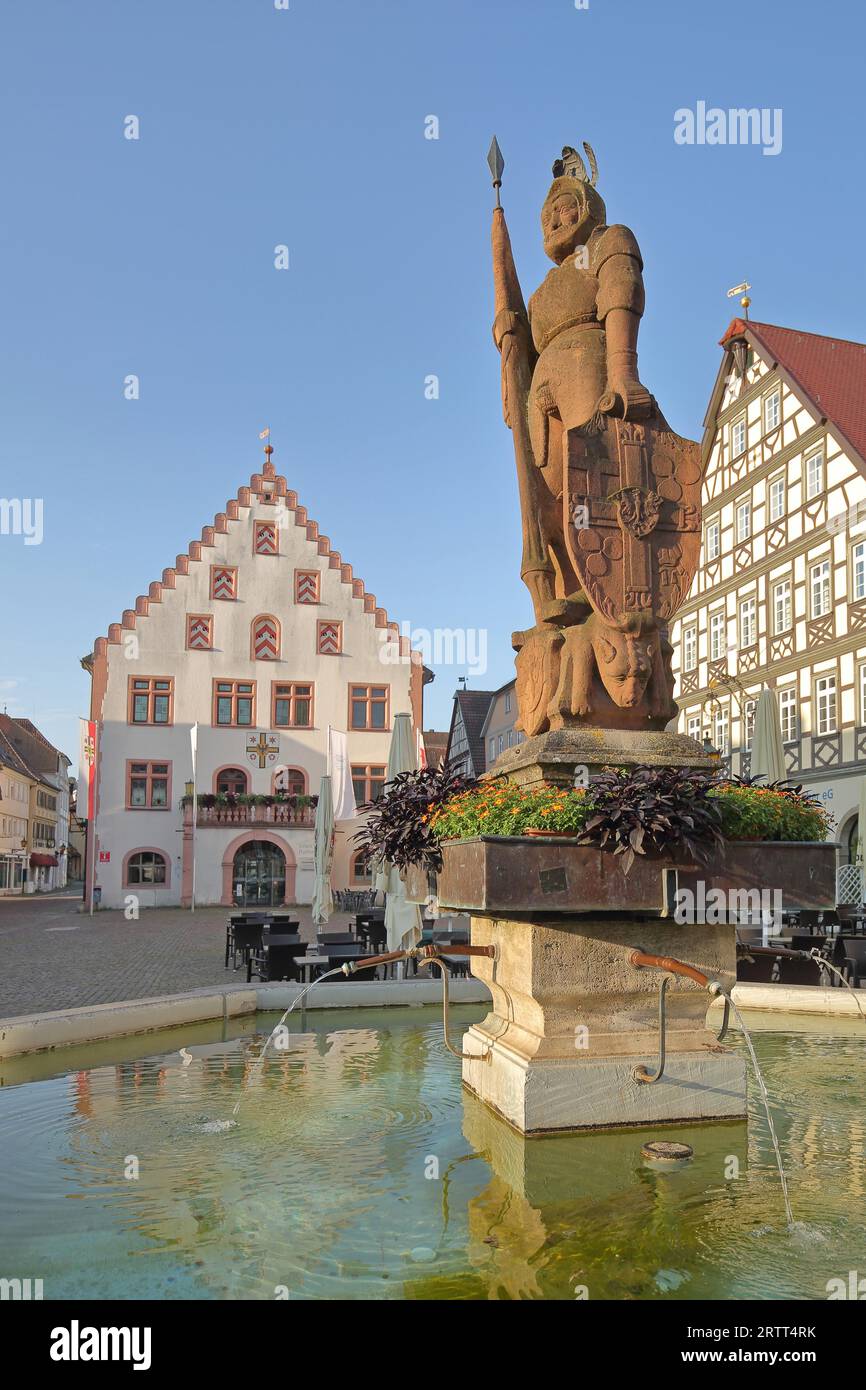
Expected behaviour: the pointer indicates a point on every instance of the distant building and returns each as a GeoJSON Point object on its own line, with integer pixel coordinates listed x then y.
{"type": "Point", "coordinates": [779, 598]}
{"type": "Point", "coordinates": [435, 746]}
{"type": "Point", "coordinates": [465, 749]}
{"type": "Point", "coordinates": [34, 812]}
{"type": "Point", "coordinates": [498, 731]}
{"type": "Point", "coordinates": [50, 803]}
{"type": "Point", "coordinates": [482, 727]}
{"type": "Point", "coordinates": [16, 779]}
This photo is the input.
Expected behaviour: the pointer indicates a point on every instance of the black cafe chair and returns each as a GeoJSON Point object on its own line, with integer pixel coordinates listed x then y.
{"type": "Point", "coordinates": [854, 966]}
{"type": "Point", "coordinates": [242, 939]}
{"type": "Point", "coordinates": [276, 959]}
{"type": "Point", "coordinates": [236, 920]}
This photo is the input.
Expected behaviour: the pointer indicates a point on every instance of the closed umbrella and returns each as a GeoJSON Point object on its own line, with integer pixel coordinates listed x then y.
{"type": "Point", "coordinates": [402, 918]}
{"type": "Point", "coordinates": [768, 754]}
{"type": "Point", "coordinates": [323, 840]}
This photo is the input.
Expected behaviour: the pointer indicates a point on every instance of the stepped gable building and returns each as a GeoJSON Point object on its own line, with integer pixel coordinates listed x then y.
{"type": "Point", "coordinates": [262, 636]}
{"type": "Point", "coordinates": [780, 594]}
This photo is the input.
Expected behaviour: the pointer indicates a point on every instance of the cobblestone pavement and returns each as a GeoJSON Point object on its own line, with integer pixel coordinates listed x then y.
{"type": "Point", "coordinates": [54, 957]}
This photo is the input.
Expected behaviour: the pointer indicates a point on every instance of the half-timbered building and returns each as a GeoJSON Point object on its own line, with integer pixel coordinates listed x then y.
{"type": "Point", "coordinates": [780, 593]}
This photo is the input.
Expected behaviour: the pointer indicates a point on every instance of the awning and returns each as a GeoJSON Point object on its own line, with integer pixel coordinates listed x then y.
{"type": "Point", "coordinates": [43, 861]}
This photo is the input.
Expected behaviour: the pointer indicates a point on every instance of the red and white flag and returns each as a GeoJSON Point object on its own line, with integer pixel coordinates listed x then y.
{"type": "Point", "coordinates": [86, 768]}
{"type": "Point", "coordinates": [265, 434]}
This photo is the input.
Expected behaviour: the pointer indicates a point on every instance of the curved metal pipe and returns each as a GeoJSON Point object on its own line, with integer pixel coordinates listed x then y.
{"type": "Point", "coordinates": [433, 952]}
{"type": "Point", "coordinates": [641, 1073]}
{"type": "Point", "coordinates": [446, 975]}
{"type": "Point", "coordinates": [676, 967]}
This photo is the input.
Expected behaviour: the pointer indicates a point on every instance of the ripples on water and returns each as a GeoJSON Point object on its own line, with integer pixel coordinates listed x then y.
{"type": "Point", "coordinates": [360, 1169]}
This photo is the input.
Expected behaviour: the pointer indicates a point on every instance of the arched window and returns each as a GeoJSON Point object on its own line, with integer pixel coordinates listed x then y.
{"type": "Point", "coordinates": [265, 638]}
{"type": "Point", "coordinates": [146, 866]}
{"type": "Point", "coordinates": [290, 780]}
{"type": "Point", "coordinates": [231, 781]}
{"type": "Point", "coordinates": [362, 868]}
{"type": "Point", "coordinates": [854, 841]}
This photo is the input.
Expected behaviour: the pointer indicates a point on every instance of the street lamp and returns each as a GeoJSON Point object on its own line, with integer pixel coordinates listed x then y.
{"type": "Point", "coordinates": [709, 748]}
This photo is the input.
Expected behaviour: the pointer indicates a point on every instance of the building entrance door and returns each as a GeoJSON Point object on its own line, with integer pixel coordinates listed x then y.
{"type": "Point", "coordinates": [259, 875]}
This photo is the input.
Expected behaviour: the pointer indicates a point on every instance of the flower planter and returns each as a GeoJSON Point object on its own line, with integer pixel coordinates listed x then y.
{"type": "Point", "coordinates": [494, 874]}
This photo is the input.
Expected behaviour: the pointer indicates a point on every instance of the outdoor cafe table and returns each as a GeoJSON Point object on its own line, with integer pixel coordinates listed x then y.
{"type": "Point", "coordinates": [307, 963]}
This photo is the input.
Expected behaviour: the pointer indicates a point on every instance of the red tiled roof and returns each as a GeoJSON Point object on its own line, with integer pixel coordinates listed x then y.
{"type": "Point", "coordinates": [11, 758]}
{"type": "Point", "coordinates": [831, 372]}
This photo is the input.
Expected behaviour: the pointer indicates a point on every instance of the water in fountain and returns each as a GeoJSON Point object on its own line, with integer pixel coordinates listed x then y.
{"type": "Point", "coordinates": [766, 1100]}
{"type": "Point", "coordinates": [260, 1060]}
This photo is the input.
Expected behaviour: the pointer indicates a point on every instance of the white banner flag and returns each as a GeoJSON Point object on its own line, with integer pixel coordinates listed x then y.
{"type": "Point", "coordinates": [340, 772]}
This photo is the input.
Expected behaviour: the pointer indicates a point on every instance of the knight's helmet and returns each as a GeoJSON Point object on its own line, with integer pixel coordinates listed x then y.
{"type": "Point", "coordinates": [570, 169]}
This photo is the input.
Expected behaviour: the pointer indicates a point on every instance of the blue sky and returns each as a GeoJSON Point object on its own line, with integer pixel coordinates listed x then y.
{"type": "Point", "coordinates": [305, 127]}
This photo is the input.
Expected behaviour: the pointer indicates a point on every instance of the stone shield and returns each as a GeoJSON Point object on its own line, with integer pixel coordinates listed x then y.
{"type": "Point", "coordinates": [632, 522]}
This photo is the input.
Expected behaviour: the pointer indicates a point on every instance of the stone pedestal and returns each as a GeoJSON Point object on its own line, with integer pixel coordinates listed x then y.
{"type": "Point", "coordinates": [572, 1018]}
{"type": "Point", "coordinates": [553, 757]}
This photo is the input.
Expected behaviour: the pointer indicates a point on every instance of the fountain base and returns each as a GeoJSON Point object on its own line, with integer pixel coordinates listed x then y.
{"type": "Point", "coordinates": [572, 1018]}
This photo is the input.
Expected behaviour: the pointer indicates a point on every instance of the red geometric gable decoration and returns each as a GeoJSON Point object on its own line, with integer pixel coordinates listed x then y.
{"type": "Point", "coordinates": [306, 586]}
{"type": "Point", "coordinates": [223, 582]}
{"type": "Point", "coordinates": [265, 542]}
{"type": "Point", "coordinates": [266, 640]}
{"type": "Point", "coordinates": [330, 638]}
{"type": "Point", "coordinates": [199, 632]}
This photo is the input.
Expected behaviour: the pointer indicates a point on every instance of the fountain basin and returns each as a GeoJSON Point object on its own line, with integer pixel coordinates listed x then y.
{"type": "Point", "coordinates": [242, 1212]}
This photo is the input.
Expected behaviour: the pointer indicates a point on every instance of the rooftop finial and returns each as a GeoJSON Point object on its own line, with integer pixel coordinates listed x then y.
{"type": "Point", "coordinates": [269, 467]}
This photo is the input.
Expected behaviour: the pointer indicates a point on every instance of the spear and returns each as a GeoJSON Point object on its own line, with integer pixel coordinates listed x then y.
{"type": "Point", "coordinates": [497, 164]}
{"type": "Point", "coordinates": [518, 359]}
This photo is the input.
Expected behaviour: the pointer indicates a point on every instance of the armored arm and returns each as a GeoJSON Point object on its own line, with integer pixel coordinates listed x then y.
{"type": "Point", "coordinates": [616, 263]}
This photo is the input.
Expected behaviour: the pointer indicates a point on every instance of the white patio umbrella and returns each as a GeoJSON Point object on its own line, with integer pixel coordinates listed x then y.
{"type": "Point", "coordinates": [402, 918]}
{"type": "Point", "coordinates": [768, 754]}
{"type": "Point", "coordinates": [323, 853]}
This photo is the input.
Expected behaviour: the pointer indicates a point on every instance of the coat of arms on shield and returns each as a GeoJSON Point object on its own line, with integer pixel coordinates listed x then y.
{"type": "Point", "coordinates": [263, 749]}
{"type": "Point", "coordinates": [632, 496]}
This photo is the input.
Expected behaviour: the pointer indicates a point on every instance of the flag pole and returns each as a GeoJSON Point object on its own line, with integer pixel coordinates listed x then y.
{"type": "Point", "coordinates": [91, 812]}
{"type": "Point", "coordinates": [193, 738]}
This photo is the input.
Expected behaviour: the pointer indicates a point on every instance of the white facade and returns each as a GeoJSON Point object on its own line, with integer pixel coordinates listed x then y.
{"type": "Point", "coordinates": [294, 591]}
{"type": "Point", "coordinates": [780, 593]}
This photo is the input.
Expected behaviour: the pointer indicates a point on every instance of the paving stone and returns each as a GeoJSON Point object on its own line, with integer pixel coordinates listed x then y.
{"type": "Point", "coordinates": [56, 957]}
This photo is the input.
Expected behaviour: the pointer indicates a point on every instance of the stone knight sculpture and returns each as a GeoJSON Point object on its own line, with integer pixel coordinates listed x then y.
{"type": "Point", "coordinates": [609, 494]}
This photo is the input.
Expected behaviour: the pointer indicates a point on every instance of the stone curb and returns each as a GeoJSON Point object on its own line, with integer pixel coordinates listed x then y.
{"type": "Point", "coordinates": [38, 1032]}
